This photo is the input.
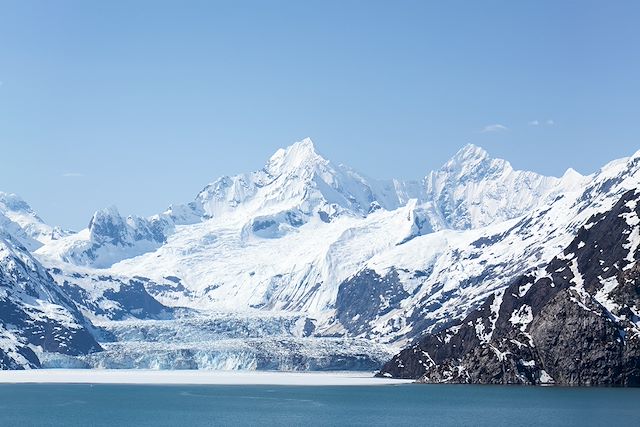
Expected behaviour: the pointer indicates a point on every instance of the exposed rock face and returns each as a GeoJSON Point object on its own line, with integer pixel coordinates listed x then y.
{"type": "Point", "coordinates": [574, 322]}
{"type": "Point", "coordinates": [367, 296]}
{"type": "Point", "coordinates": [35, 315]}
{"type": "Point", "coordinates": [111, 297]}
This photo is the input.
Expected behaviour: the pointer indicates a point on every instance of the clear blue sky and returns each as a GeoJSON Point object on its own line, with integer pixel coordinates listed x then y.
{"type": "Point", "coordinates": [140, 104]}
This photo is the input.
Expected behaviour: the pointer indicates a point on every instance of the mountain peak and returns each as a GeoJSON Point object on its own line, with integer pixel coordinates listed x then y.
{"type": "Point", "coordinates": [473, 163]}
{"type": "Point", "coordinates": [20, 212]}
{"type": "Point", "coordinates": [470, 153]}
{"type": "Point", "coordinates": [572, 174]}
{"type": "Point", "coordinates": [13, 202]}
{"type": "Point", "coordinates": [110, 211]}
{"type": "Point", "coordinates": [306, 144]}
{"type": "Point", "coordinates": [106, 221]}
{"type": "Point", "coordinates": [473, 189]}
{"type": "Point", "coordinates": [299, 154]}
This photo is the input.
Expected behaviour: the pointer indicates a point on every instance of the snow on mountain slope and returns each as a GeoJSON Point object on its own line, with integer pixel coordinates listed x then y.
{"type": "Point", "coordinates": [296, 186]}
{"type": "Point", "coordinates": [110, 238]}
{"type": "Point", "coordinates": [108, 297]}
{"type": "Point", "coordinates": [34, 231]}
{"type": "Point", "coordinates": [227, 268]}
{"type": "Point", "coordinates": [442, 287]}
{"type": "Point", "coordinates": [298, 178]}
{"type": "Point", "coordinates": [574, 321]}
{"type": "Point", "coordinates": [377, 261]}
{"type": "Point", "coordinates": [291, 235]}
{"type": "Point", "coordinates": [473, 190]}
{"type": "Point", "coordinates": [19, 236]}
{"type": "Point", "coordinates": [35, 315]}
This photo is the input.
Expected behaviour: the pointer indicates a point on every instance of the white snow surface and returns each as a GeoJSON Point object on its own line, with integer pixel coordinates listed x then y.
{"type": "Point", "coordinates": [110, 238]}
{"type": "Point", "coordinates": [140, 376]}
{"type": "Point", "coordinates": [19, 219]}
{"type": "Point", "coordinates": [283, 239]}
{"type": "Point", "coordinates": [286, 237]}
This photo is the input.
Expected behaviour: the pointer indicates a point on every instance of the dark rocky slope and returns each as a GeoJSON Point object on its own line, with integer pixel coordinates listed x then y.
{"type": "Point", "coordinates": [35, 315]}
{"type": "Point", "coordinates": [574, 322]}
{"type": "Point", "coordinates": [111, 297]}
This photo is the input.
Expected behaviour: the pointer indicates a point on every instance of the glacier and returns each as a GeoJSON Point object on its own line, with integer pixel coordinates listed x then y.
{"type": "Point", "coordinates": [305, 264]}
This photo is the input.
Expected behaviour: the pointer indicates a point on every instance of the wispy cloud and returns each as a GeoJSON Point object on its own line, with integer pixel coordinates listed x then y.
{"type": "Point", "coordinates": [547, 122]}
{"type": "Point", "coordinates": [494, 128]}
{"type": "Point", "coordinates": [72, 174]}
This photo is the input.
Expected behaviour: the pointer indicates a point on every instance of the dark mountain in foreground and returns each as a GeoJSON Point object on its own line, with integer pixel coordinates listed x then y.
{"type": "Point", "coordinates": [574, 322]}
{"type": "Point", "coordinates": [35, 314]}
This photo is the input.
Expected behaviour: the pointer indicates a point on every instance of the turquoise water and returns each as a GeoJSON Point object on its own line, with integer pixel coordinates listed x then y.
{"type": "Point", "coordinates": [422, 405]}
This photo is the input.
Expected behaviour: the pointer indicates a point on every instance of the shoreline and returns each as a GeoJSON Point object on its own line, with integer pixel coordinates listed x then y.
{"type": "Point", "coordinates": [193, 377]}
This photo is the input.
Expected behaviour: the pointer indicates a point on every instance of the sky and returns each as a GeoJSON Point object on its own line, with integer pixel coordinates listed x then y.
{"type": "Point", "coordinates": [140, 104]}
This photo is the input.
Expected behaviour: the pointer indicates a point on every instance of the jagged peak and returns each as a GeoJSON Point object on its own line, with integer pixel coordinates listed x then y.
{"type": "Point", "coordinates": [20, 212]}
{"type": "Point", "coordinates": [470, 152]}
{"type": "Point", "coordinates": [13, 202]}
{"type": "Point", "coordinates": [572, 174]}
{"type": "Point", "coordinates": [108, 211]}
{"type": "Point", "coordinates": [110, 214]}
{"type": "Point", "coordinates": [473, 161]}
{"type": "Point", "coordinates": [299, 154]}
{"type": "Point", "coordinates": [306, 144]}
{"type": "Point", "coordinates": [573, 180]}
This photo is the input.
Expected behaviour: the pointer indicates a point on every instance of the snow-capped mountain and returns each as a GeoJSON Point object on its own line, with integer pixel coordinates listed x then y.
{"type": "Point", "coordinates": [290, 236]}
{"type": "Point", "coordinates": [36, 317]}
{"type": "Point", "coordinates": [379, 262]}
{"type": "Point", "coordinates": [110, 238]}
{"type": "Point", "coordinates": [299, 180]}
{"type": "Point", "coordinates": [13, 229]}
{"type": "Point", "coordinates": [286, 237]}
{"type": "Point", "coordinates": [575, 321]}
{"type": "Point", "coordinates": [297, 185]}
{"type": "Point", "coordinates": [446, 274]}
{"type": "Point", "coordinates": [19, 219]}
{"type": "Point", "coordinates": [473, 190]}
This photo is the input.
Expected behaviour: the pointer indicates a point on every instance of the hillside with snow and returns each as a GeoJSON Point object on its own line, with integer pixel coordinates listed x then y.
{"type": "Point", "coordinates": [311, 264]}
{"type": "Point", "coordinates": [36, 316]}
{"type": "Point", "coordinates": [285, 237]}
{"type": "Point", "coordinates": [575, 321]}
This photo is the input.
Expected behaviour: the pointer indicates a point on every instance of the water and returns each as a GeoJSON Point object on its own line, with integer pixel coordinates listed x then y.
{"type": "Point", "coordinates": [423, 405]}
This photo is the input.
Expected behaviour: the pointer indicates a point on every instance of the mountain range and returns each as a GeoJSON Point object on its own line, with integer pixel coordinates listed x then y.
{"type": "Point", "coordinates": [307, 264]}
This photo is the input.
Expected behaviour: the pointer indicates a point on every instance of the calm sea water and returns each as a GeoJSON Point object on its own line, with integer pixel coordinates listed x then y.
{"type": "Point", "coordinates": [423, 405]}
